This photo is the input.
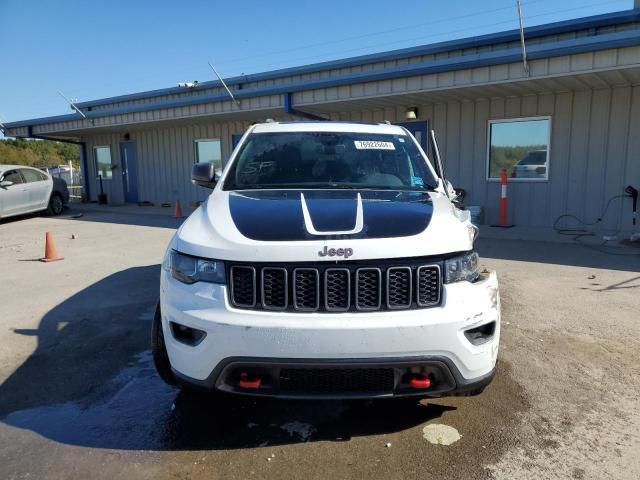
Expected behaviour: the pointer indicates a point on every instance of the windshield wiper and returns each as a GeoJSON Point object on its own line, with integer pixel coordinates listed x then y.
{"type": "Point", "coordinates": [305, 186]}
{"type": "Point", "coordinates": [332, 186]}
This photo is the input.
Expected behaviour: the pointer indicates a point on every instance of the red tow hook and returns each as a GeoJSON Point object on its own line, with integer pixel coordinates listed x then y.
{"type": "Point", "coordinates": [419, 381]}
{"type": "Point", "coordinates": [249, 382]}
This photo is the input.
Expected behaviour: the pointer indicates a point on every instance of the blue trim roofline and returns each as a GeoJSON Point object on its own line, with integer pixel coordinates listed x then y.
{"type": "Point", "coordinates": [545, 50]}
{"type": "Point", "coordinates": [607, 19]}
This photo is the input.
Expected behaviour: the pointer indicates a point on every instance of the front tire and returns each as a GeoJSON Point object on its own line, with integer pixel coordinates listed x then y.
{"type": "Point", "coordinates": [159, 350]}
{"type": "Point", "coordinates": [56, 204]}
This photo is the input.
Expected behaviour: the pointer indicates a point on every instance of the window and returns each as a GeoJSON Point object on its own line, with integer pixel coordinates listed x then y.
{"type": "Point", "coordinates": [329, 160]}
{"type": "Point", "coordinates": [103, 161]}
{"type": "Point", "coordinates": [521, 147]}
{"type": "Point", "coordinates": [209, 151]}
{"type": "Point", "coordinates": [32, 175]}
{"type": "Point", "coordinates": [13, 176]}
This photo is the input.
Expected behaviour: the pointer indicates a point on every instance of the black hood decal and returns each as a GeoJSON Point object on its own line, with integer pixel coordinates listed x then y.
{"type": "Point", "coordinates": [277, 215]}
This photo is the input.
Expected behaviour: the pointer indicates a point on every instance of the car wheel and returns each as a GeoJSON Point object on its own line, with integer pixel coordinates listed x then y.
{"type": "Point", "coordinates": [56, 205]}
{"type": "Point", "coordinates": [159, 351]}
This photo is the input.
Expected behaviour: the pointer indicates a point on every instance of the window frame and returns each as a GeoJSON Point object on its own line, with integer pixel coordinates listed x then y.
{"type": "Point", "coordinates": [95, 160]}
{"type": "Point", "coordinates": [17, 170]}
{"type": "Point", "coordinates": [195, 144]}
{"type": "Point", "coordinates": [488, 178]}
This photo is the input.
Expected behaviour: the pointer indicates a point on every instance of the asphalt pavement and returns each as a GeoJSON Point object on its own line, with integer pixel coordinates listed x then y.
{"type": "Point", "coordinates": [79, 397]}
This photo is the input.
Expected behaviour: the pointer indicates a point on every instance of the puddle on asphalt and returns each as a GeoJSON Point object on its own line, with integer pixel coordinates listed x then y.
{"type": "Point", "coordinates": [135, 410]}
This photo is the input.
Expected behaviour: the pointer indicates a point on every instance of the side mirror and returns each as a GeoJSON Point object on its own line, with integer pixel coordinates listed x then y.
{"type": "Point", "coordinates": [204, 174]}
{"type": "Point", "coordinates": [6, 183]}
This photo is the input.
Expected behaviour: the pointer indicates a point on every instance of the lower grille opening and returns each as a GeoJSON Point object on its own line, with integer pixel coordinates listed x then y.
{"type": "Point", "coordinates": [309, 380]}
{"type": "Point", "coordinates": [336, 380]}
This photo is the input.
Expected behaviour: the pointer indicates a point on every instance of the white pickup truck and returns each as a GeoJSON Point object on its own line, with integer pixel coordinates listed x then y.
{"type": "Point", "coordinates": [329, 261]}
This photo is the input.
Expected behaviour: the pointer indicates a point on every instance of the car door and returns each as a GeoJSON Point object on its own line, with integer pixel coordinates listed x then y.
{"type": "Point", "coordinates": [14, 199]}
{"type": "Point", "coordinates": [39, 186]}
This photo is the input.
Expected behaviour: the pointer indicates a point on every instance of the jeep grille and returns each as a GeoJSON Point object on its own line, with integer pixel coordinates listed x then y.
{"type": "Point", "coordinates": [332, 288]}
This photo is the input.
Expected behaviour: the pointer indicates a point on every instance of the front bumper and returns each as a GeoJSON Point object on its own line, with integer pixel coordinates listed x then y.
{"type": "Point", "coordinates": [395, 343]}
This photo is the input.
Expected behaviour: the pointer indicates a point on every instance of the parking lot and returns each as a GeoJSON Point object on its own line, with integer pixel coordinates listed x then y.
{"type": "Point", "coordinates": [79, 397]}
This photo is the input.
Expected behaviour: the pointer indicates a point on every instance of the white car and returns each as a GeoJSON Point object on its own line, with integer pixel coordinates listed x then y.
{"type": "Point", "coordinates": [27, 190]}
{"type": "Point", "coordinates": [328, 262]}
{"type": "Point", "coordinates": [532, 165]}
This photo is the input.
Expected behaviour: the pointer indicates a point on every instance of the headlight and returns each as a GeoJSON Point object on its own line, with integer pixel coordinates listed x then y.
{"type": "Point", "coordinates": [464, 267]}
{"type": "Point", "coordinates": [188, 269]}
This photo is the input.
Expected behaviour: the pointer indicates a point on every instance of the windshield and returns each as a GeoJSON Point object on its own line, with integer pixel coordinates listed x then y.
{"type": "Point", "coordinates": [329, 160]}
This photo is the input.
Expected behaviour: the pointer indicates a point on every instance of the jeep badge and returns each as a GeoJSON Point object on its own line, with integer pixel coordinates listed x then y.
{"type": "Point", "coordinates": [336, 252]}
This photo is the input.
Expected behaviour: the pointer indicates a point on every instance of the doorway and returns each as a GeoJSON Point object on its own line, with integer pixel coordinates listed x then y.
{"type": "Point", "coordinates": [420, 130]}
{"type": "Point", "coordinates": [129, 171]}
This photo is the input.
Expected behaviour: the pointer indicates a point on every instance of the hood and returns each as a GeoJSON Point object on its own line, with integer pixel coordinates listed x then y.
{"type": "Point", "coordinates": [302, 225]}
{"type": "Point", "coordinates": [290, 215]}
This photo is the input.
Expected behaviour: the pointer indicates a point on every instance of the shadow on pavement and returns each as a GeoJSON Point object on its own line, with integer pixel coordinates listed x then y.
{"type": "Point", "coordinates": [91, 383]}
{"type": "Point", "coordinates": [572, 254]}
{"type": "Point", "coordinates": [125, 215]}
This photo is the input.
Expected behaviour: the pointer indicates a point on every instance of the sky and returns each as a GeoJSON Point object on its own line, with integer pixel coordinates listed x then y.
{"type": "Point", "coordinates": [100, 48]}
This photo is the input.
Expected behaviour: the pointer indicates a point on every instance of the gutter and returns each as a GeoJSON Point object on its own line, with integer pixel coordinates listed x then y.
{"type": "Point", "coordinates": [288, 108]}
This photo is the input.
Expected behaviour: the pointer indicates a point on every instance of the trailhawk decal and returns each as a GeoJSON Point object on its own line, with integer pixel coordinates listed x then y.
{"type": "Point", "coordinates": [295, 215]}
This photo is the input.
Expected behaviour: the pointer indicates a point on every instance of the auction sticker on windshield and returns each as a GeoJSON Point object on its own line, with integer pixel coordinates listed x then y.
{"type": "Point", "coordinates": [373, 145]}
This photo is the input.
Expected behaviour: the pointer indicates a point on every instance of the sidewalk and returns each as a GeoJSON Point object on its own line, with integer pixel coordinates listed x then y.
{"type": "Point", "coordinates": [127, 209]}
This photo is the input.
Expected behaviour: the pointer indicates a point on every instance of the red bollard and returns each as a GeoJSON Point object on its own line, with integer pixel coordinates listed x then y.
{"type": "Point", "coordinates": [503, 201]}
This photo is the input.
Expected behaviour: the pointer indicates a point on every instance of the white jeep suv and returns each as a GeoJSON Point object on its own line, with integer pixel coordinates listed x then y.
{"type": "Point", "coordinates": [329, 261]}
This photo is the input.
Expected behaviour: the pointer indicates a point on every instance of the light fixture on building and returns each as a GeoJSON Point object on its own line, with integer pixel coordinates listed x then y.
{"type": "Point", "coordinates": [411, 113]}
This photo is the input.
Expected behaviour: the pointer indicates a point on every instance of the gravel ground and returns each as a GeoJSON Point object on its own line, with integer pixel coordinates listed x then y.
{"type": "Point", "coordinates": [79, 397]}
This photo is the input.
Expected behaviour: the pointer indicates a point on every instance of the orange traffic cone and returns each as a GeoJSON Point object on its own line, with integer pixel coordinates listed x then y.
{"type": "Point", "coordinates": [50, 251]}
{"type": "Point", "coordinates": [178, 211]}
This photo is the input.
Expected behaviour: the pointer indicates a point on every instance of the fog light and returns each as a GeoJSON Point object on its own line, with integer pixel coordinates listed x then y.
{"type": "Point", "coordinates": [187, 335]}
{"type": "Point", "coordinates": [481, 334]}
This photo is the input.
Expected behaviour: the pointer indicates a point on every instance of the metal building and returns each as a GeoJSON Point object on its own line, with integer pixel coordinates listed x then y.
{"type": "Point", "coordinates": [576, 108]}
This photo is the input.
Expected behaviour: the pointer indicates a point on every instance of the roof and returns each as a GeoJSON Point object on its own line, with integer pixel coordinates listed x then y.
{"type": "Point", "coordinates": [538, 31]}
{"type": "Point", "coordinates": [560, 47]}
{"type": "Point", "coordinates": [353, 127]}
{"type": "Point", "coordinates": [4, 168]}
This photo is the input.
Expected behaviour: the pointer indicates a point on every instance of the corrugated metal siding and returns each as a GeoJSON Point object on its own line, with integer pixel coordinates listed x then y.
{"type": "Point", "coordinates": [594, 152]}
{"type": "Point", "coordinates": [373, 66]}
{"type": "Point", "coordinates": [554, 68]}
{"type": "Point", "coordinates": [165, 155]}
{"type": "Point", "coordinates": [112, 187]}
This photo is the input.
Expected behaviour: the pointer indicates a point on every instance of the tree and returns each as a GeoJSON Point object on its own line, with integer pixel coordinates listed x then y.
{"type": "Point", "coordinates": [38, 153]}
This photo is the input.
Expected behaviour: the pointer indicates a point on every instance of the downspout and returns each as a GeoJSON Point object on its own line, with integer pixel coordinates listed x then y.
{"type": "Point", "coordinates": [288, 108]}
{"type": "Point", "coordinates": [83, 156]}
